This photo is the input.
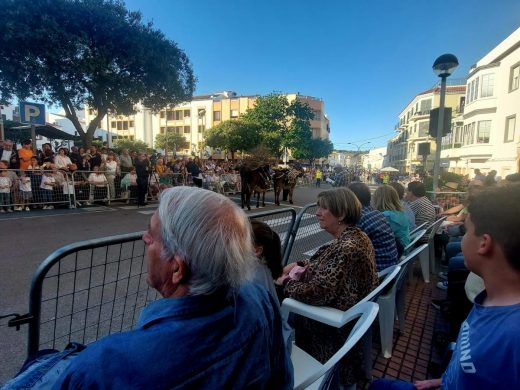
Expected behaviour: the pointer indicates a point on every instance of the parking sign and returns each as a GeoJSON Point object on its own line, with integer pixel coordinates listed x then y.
{"type": "Point", "coordinates": [32, 113]}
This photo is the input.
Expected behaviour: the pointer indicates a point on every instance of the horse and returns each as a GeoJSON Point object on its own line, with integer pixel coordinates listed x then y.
{"type": "Point", "coordinates": [285, 179]}
{"type": "Point", "coordinates": [254, 181]}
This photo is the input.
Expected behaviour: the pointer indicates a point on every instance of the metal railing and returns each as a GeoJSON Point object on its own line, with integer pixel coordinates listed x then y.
{"type": "Point", "coordinates": [306, 236]}
{"type": "Point", "coordinates": [90, 289]}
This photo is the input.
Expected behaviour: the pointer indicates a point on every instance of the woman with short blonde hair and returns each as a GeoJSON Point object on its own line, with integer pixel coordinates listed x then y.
{"type": "Point", "coordinates": [386, 200]}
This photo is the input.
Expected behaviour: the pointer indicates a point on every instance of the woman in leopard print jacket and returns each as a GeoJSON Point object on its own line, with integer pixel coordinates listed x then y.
{"type": "Point", "coordinates": [339, 275]}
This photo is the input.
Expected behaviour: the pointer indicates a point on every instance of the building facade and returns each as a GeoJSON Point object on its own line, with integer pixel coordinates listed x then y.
{"type": "Point", "coordinates": [193, 118]}
{"type": "Point", "coordinates": [489, 138]}
{"type": "Point", "coordinates": [413, 126]}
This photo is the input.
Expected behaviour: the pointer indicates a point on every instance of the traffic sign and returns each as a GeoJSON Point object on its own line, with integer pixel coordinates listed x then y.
{"type": "Point", "coordinates": [32, 113]}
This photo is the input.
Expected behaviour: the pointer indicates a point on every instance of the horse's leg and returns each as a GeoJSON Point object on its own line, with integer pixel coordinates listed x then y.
{"type": "Point", "coordinates": [277, 195]}
{"type": "Point", "coordinates": [257, 199]}
{"type": "Point", "coordinates": [263, 198]}
{"type": "Point", "coordinates": [291, 189]}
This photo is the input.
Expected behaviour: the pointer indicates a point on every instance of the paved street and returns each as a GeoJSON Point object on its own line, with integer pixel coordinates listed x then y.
{"type": "Point", "coordinates": [30, 236]}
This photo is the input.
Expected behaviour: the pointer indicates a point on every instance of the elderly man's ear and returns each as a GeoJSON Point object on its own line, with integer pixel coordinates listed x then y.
{"type": "Point", "coordinates": [179, 270]}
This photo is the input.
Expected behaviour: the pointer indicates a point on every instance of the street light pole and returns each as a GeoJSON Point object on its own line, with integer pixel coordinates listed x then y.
{"type": "Point", "coordinates": [440, 128]}
{"type": "Point", "coordinates": [443, 67]}
{"type": "Point", "coordinates": [358, 147]}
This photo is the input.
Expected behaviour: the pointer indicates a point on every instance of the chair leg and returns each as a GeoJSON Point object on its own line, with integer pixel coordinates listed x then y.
{"type": "Point", "coordinates": [424, 259]}
{"type": "Point", "coordinates": [400, 305]}
{"type": "Point", "coordinates": [386, 323]}
{"type": "Point", "coordinates": [367, 354]}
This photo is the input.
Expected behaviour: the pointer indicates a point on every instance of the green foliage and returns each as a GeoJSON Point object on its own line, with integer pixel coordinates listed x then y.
{"type": "Point", "coordinates": [132, 145]}
{"type": "Point", "coordinates": [282, 124]}
{"type": "Point", "coordinates": [171, 142]}
{"type": "Point", "coordinates": [95, 52]}
{"type": "Point", "coordinates": [234, 135]}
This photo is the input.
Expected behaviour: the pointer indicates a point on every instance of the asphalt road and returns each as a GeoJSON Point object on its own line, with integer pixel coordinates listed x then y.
{"type": "Point", "coordinates": [28, 237]}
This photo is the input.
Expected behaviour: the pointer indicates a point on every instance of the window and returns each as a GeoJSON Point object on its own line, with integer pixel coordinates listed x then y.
{"type": "Point", "coordinates": [468, 91]}
{"type": "Point", "coordinates": [178, 115]}
{"type": "Point", "coordinates": [125, 125]}
{"type": "Point", "coordinates": [509, 136]}
{"type": "Point", "coordinates": [119, 125]}
{"type": "Point", "coordinates": [484, 128]}
{"type": "Point", "coordinates": [169, 115]}
{"type": "Point", "coordinates": [488, 81]}
{"type": "Point", "coordinates": [234, 114]}
{"type": "Point", "coordinates": [162, 114]}
{"type": "Point", "coordinates": [170, 129]}
{"type": "Point", "coordinates": [514, 79]}
{"type": "Point", "coordinates": [131, 124]}
{"type": "Point", "coordinates": [423, 128]}
{"type": "Point", "coordinates": [163, 129]}
{"type": "Point", "coordinates": [114, 124]}
{"type": "Point", "coordinates": [187, 129]}
{"type": "Point", "coordinates": [187, 113]}
{"type": "Point", "coordinates": [426, 106]}
{"type": "Point", "coordinates": [216, 115]}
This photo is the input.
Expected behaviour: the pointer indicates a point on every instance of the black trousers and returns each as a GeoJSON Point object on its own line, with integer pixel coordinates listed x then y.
{"type": "Point", "coordinates": [142, 187]}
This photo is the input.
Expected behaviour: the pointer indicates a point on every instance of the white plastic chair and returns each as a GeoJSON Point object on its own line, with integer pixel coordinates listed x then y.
{"type": "Point", "coordinates": [427, 258]}
{"type": "Point", "coordinates": [387, 304]}
{"type": "Point", "coordinates": [413, 239]}
{"type": "Point", "coordinates": [308, 372]}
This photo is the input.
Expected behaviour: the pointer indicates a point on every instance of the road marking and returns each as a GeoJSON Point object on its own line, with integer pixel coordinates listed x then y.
{"type": "Point", "coordinates": [314, 250]}
{"type": "Point", "coordinates": [283, 221]}
{"type": "Point", "coordinates": [134, 207]}
{"type": "Point", "coordinates": [145, 212]}
{"type": "Point", "coordinates": [304, 231]}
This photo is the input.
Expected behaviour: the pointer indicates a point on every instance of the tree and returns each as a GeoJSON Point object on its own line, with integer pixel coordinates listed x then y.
{"type": "Point", "coordinates": [171, 142]}
{"type": "Point", "coordinates": [320, 148]}
{"type": "Point", "coordinates": [283, 124]}
{"type": "Point", "coordinates": [131, 144]}
{"type": "Point", "coordinates": [94, 52]}
{"type": "Point", "coordinates": [234, 135]}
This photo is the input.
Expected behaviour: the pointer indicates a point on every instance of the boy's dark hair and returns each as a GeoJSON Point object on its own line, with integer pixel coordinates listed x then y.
{"type": "Point", "coordinates": [361, 191]}
{"type": "Point", "coordinates": [398, 187]}
{"type": "Point", "coordinates": [272, 253]}
{"type": "Point", "coordinates": [496, 211]}
{"type": "Point", "coordinates": [417, 188]}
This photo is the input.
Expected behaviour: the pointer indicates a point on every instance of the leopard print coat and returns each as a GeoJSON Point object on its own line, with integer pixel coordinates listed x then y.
{"type": "Point", "coordinates": [339, 275]}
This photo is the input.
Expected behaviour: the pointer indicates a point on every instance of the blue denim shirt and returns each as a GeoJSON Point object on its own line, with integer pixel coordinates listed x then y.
{"type": "Point", "coordinates": [220, 341]}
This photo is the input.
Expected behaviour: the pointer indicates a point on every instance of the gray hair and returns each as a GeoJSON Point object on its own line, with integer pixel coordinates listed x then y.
{"type": "Point", "coordinates": [210, 234]}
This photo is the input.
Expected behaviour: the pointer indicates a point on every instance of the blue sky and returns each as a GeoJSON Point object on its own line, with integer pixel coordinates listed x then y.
{"type": "Point", "coordinates": [366, 59]}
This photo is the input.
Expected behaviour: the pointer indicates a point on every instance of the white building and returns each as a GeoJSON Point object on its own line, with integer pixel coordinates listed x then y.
{"type": "Point", "coordinates": [374, 160]}
{"type": "Point", "coordinates": [489, 138]}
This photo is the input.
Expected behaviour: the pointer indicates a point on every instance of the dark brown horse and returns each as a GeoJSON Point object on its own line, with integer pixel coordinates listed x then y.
{"type": "Point", "coordinates": [285, 179]}
{"type": "Point", "coordinates": [254, 181]}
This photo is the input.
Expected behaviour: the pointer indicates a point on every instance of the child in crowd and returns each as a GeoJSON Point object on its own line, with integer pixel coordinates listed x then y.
{"type": "Point", "coordinates": [47, 186]}
{"type": "Point", "coordinates": [5, 191]}
{"type": "Point", "coordinates": [25, 191]}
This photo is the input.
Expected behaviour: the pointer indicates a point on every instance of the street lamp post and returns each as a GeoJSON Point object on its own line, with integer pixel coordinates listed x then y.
{"type": "Point", "coordinates": [358, 148]}
{"type": "Point", "coordinates": [443, 67]}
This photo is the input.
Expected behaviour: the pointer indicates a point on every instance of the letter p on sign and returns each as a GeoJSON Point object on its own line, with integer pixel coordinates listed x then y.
{"type": "Point", "coordinates": [33, 113]}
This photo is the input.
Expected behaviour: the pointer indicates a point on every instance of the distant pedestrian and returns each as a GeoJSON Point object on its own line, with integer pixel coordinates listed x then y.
{"type": "Point", "coordinates": [319, 175]}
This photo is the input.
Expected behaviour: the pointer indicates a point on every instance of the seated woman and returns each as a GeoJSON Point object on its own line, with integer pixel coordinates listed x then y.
{"type": "Point", "coordinates": [338, 275]}
{"type": "Point", "coordinates": [98, 185]}
{"type": "Point", "coordinates": [386, 200]}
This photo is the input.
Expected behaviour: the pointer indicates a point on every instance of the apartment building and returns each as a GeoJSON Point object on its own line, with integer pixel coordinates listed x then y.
{"type": "Point", "coordinates": [414, 122]}
{"type": "Point", "coordinates": [193, 118]}
{"type": "Point", "coordinates": [489, 138]}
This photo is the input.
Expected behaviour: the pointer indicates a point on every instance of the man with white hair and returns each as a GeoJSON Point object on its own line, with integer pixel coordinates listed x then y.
{"type": "Point", "coordinates": [213, 329]}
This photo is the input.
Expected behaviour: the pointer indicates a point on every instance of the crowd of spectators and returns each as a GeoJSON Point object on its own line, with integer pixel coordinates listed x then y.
{"type": "Point", "coordinates": [48, 177]}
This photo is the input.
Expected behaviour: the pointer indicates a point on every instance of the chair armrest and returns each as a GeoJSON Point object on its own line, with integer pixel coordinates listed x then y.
{"type": "Point", "coordinates": [324, 314]}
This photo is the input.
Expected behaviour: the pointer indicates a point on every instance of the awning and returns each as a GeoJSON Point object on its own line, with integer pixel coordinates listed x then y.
{"type": "Point", "coordinates": [16, 131]}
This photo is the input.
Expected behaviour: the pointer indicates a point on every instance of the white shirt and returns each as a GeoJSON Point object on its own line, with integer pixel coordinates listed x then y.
{"type": "Point", "coordinates": [6, 155]}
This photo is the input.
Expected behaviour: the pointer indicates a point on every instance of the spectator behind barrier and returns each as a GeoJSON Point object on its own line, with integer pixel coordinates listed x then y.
{"type": "Point", "coordinates": [421, 206]}
{"type": "Point", "coordinates": [213, 329]}
{"type": "Point", "coordinates": [487, 355]}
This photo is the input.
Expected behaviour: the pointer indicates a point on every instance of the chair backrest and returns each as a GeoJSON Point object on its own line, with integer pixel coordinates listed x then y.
{"type": "Point", "coordinates": [434, 227]}
{"type": "Point", "coordinates": [417, 228]}
{"type": "Point", "coordinates": [365, 313]}
{"type": "Point", "coordinates": [386, 277]}
{"type": "Point", "coordinates": [405, 263]}
{"type": "Point", "coordinates": [416, 237]}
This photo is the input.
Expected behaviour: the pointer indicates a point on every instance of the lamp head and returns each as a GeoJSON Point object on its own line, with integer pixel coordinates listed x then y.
{"type": "Point", "coordinates": [445, 65]}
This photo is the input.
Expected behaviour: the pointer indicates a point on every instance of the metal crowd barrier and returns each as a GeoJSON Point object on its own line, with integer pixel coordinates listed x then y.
{"type": "Point", "coordinates": [90, 289]}
{"type": "Point", "coordinates": [447, 199]}
{"type": "Point", "coordinates": [306, 236]}
{"type": "Point", "coordinates": [25, 188]}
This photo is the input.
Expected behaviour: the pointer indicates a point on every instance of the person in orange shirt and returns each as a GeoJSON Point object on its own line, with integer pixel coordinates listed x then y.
{"type": "Point", "coordinates": [25, 154]}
